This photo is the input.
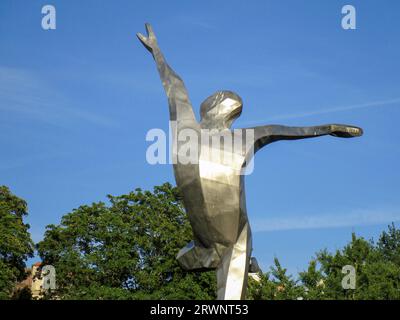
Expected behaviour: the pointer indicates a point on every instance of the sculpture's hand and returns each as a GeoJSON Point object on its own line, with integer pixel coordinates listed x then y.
{"type": "Point", "coordinates": [150, 42]}
{"type": "Point", "coordinates": [343, 131]}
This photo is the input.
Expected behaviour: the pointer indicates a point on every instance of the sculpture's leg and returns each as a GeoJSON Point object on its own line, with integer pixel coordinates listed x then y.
{"type": "Point", "coordinates": [193, 256]}
{"type": "Point", "coordinates": [232, 272]}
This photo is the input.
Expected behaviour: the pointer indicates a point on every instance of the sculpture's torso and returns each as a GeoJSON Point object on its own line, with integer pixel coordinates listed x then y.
{"type": "Point", "coordinates": [215, 219]}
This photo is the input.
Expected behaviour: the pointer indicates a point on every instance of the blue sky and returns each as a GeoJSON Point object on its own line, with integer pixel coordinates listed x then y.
{"type": "Point", "coordinates": [76, 104]}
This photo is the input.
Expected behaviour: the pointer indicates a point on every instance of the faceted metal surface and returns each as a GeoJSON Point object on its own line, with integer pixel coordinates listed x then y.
{"type": "Point", "coordinates": [213, 191]}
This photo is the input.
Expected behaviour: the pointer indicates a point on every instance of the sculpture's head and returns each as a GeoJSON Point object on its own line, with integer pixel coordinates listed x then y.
{"type": "Point", "coordinates": [221, 108]}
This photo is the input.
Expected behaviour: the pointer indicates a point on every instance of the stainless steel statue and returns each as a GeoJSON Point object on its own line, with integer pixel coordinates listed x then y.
{"type": "Point", "coordinates": [213, 191]}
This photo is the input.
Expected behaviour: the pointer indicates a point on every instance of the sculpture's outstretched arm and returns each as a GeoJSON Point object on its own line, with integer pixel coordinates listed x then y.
{"type": "Point", "coordinates": [178, 98]}
{"type": "Point", "coordinates": [264, 135]}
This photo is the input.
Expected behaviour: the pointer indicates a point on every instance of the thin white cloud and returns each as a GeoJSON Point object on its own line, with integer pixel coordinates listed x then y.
{"type": "Point", "coordinates": [26, 94]}
{"type": "Point", "coordinates": [373, 104]}
{"type": "Point", "coordinates": [29, 160]}
{"type": "Point", "coordinates": [351, 219]}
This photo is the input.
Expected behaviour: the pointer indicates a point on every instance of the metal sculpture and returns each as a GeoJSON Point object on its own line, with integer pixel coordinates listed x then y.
{"type": "Point", "coordinates": [213, 191]}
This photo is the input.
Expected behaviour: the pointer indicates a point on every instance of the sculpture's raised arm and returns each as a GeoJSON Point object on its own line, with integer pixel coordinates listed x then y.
{"type": "Point", "coordinates": [178, 98]}
{"type": "Point", "coordinates": [264, 135]}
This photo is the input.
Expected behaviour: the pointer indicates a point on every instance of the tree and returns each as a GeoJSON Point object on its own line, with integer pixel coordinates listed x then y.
{"type": "Point", "coordinates": [275, 285]}
{"type": "Point", "coordinates": [263, 289]}
{"type": "Point", "coordinates": [313, 282]}
{"type": "Point", "coordinates": [376, 267]}
{"type": "Point", "coordinates": [15, 241]}
{"type": "Point", "coordinates": [125, 250]}
{"type": "Point", "coordinates": [389, 244]}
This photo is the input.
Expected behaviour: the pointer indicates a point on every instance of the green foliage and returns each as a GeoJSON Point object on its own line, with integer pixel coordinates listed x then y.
{"type": "Point", "coordinates": [7, 280]}
{"type": "Point", "coordinates": [286, 286]}
{"type": "Point", "coordinates": [312, 281]}
{"type": "Point", "coordinates": [275, 285]}
{"type": "Point", "coordinates": [23, 293]}
{"type": "Point", "coordinates": [377, 277]}
{"type": "Point", "coordinates": [376, 266]}
{"type": "Point", "coordinates": [15, 241]}
{"type": "Point", "coordinates": [264, 289]}
{"type": "Point", "coordinates": [125, 250]}
{"type": "Point", "coordinates": [389, 244]}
